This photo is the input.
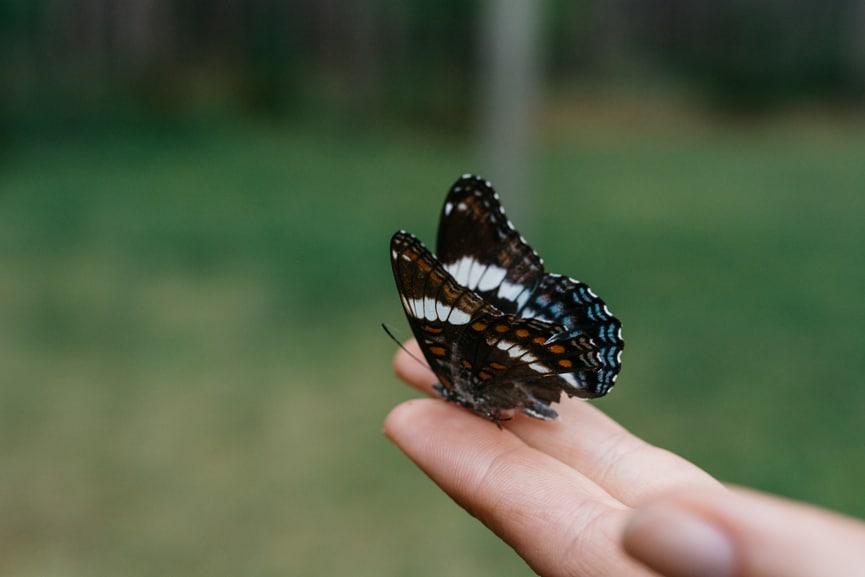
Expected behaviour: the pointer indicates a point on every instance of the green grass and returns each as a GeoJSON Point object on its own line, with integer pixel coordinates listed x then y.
{"type": "Point", "coordinates": [193, 377]}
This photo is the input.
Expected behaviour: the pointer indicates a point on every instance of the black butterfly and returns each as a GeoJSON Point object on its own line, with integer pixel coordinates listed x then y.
{"type": "Point", "coordinates": [499, 332]}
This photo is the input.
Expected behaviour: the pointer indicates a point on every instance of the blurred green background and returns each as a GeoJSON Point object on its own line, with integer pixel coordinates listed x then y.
{"type": "Point", "coordinates": [196, 200]}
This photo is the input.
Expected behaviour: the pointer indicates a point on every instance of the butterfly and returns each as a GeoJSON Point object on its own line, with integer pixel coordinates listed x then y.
{"type": "Point", "coordinates": [499, 332]}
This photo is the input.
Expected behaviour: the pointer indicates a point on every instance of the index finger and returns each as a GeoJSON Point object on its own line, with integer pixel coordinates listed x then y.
{"type": "Point", "coordinates": [559, 521]}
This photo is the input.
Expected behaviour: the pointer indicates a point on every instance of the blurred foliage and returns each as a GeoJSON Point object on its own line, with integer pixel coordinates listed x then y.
{"type": "Point", "coordinates": [95, 61]}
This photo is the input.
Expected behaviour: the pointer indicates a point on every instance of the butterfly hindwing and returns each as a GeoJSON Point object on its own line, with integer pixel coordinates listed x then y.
{"type": "Point", "coordinates": [516, 367]}
{"type": "Point", "coordinates": [574, 305]}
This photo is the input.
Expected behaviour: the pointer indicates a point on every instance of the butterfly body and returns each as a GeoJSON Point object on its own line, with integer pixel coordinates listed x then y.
{"type": "Point", "coordinates": [499, 332]}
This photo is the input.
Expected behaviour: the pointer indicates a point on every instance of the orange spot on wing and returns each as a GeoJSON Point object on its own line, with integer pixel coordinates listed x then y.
{"type": "Point", "coordinates": [432, 329]}
{"type": "Point", "coordinates": [438, 351]}
{"type": "Point", "coordinates": [558, 349]}
{"type": "Point", "coordinates": [484, 376]}
{"type": "Point", "coordinates": [502, 328]}
{"type": "Point", "coordinates": [522, 333]}
{"type": "Point", "coordinates": [565, 363]}
{"type": "Point", "coordinates": [479, 327]}
{"type": "Point", "coordinates": [498, 366]}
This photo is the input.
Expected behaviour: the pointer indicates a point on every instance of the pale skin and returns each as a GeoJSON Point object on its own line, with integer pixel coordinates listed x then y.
{"type": "Point", "coordinates": [581, 496]}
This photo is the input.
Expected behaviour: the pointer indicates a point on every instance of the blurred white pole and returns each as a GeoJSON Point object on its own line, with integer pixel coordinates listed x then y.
{"type": "Point", "coordinates": [510, 86]}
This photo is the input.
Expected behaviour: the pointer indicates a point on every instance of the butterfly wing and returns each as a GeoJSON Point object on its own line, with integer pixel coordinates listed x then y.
{"type": "Point", "coordinates": [480, 247]}
{"type": "Point", "coordinates": [437, 308]}
{"type": "Point", "coordinates": [487, 361]}
{"type": "Point", "coordinates": [514, 366]}
{"type": "Point", "coordinates": [573, 305]}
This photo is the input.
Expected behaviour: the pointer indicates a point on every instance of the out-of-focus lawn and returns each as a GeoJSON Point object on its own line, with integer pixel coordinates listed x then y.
{"type": "Point", "coordinates": [193, 377]}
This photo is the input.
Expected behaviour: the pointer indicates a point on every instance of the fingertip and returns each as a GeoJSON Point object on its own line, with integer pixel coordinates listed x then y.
{"type": "Point", "coordinates": [433, 433]}
{"type": "Point", "coordinates": [427, 415]}
{"type": "Point", "coordinates": [676, 541]}
{"type": "Point", "coordinates": [403, 418]}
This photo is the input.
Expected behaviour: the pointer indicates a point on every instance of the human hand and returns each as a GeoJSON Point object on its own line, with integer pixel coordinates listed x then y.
{"type": "Point", "coordinates": [581, 496]}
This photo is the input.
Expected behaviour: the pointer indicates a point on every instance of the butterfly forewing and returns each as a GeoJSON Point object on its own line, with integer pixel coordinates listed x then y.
{"type": "Point", "coordinates": [437, 308]}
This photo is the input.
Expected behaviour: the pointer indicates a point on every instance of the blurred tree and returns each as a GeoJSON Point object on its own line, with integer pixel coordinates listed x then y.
{"type": "Point", "coordinates": [609, 33]}
{"type": "Point", "coordinates": [854, 45]}
{"type": "Point", "coordinates": [143, 32]}
{"type": "Point", "coordinates": [412, 60]}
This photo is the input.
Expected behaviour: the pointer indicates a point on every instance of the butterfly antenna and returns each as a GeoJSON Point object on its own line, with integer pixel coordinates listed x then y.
{"type": "Point", "coordinates": [400, 345]}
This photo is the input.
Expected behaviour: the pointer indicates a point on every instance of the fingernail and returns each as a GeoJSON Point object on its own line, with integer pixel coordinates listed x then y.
{"type": "Point", "coordinates": [679, 543]}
